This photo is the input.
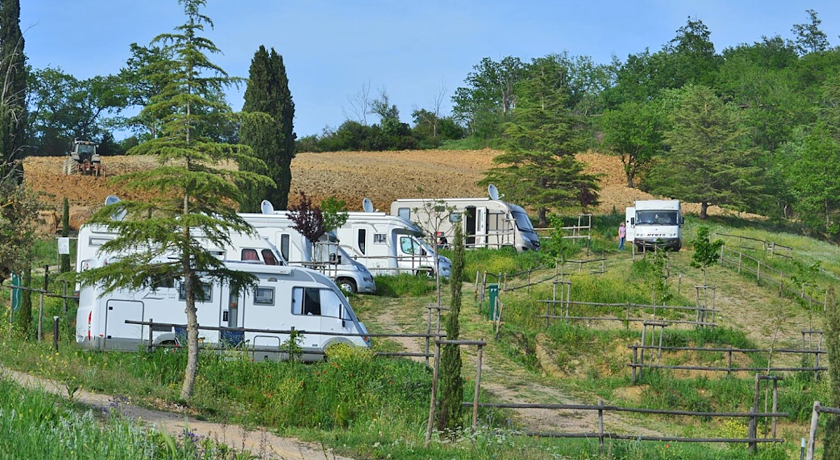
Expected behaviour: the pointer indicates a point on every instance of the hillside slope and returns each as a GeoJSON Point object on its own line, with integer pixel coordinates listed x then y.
{"type": "Point", "coordinates": [381, 176]}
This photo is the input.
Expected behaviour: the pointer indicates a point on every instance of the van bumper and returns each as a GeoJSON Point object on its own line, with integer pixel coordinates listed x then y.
{"type": "Point", "coordinates": [665, 243]}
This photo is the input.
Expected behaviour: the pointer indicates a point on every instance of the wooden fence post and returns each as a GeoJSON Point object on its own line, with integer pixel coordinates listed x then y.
{"type": "Point", "coordinates": [812, 434]}
{"type": "Point", "coordinates": [477, 389]}
{"type": "Point", "coordinates": [729, 361]}
{"type": "Point", "coordinates": [151, 324]}
{"type": "Point", "coordinates": [775, 405]}
{"type": "Point", "coordinates": [633, 363]}
{"type": "Point", "coordinates": [753, 429]}
{"type": "Point", "coordinates": [432, 405]}
{"type": "Point", "coordinates": [739, 261]}
{"type": "Point", "coordinates": [601, 427]}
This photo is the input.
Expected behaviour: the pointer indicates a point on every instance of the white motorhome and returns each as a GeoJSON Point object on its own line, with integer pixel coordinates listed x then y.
{"type": "Point", "coordinates": [286, 299]}
{"type": "Point", "coordinates": [486, 222]}
{"type": "Point", "coordinates": [654, 223]}
{"type": "Point", "coordinates": [242, 247]}
{"type": "Point", "coordinates": [327, 255]}
{"type": "Point", "coordinates": [388, 245]}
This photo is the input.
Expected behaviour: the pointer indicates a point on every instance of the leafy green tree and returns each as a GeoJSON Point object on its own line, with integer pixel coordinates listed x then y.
{"type": "Point", "coordinates": [64, 108]}
{"type": "Point", "coordinates": [538, 167]}
{"type": "Point", "coordinates": [706, 252]}
{"type": "Point", "coordinates": [488, 98]}
{"type": "Point", "coordinates": [452, 384]}
{"type": "Point", "coordinates": [711, 158]}
{"type": "Point", "coordinates": [809, 37]}
{"type": "Point", "coordinates": [192, 195]}
{"type": "Point", "coordinates": [690, 56]}
{"type": "Point", "coordinates": [144, 77]}
{"type": "Point", "coordinates": [334, 212]}
{"type": "Point", "coordinates": [18, 210]}
{"type": "Point", "coordinates": [272, 138]}
{"type": "Point", "coordinates": [13, 113]}
{"type": "Point", "coordinates": [634, 131]}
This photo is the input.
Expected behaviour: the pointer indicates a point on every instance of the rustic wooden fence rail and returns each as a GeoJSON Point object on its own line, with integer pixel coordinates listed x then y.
{"type": "Point", "coordinates": [564, 305]}
{"type": "Point", "coordinates": [637, 363]}
{"type": "Point", "coordinates": [774, 248]}
{"type": "Point", "coordinates": [763, 272]}
{"type": "Point", "coordinates": [152, 324]}
{"type": "Point", "coordinates": [752, 439]}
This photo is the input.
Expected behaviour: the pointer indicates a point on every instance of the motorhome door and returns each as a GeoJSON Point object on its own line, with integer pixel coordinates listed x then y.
{"type": "Point", "coordinates": [121, 336]}
{"type": "Point", "coordinates": [470, 225]}
{"type": "Point", "coordinates": [481, 227]}
{"type": "Point", "coordinates": [231, 317]}
{"type": "Point", "coordinates": [630, 224]}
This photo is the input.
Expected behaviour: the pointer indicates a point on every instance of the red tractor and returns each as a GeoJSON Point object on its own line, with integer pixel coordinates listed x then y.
{"type": "Point", "coordinates": [83, 159]}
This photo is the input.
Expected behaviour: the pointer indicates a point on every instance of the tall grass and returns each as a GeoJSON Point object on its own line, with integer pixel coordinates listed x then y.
{"type": "Point", "coordinates": [34, 424]}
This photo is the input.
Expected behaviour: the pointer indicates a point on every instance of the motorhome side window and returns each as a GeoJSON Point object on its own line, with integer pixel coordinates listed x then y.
{"type": "Point", "coordinates": [407, 245]}
{"type": "Point", "coordinates": [264, 296]}
{"type": "Point", "coordinates": [250, 255]}
{"type": "Point", "coordinates": [284, 246]}
{"type": "Point", "coordinates": [361, 239]}
{"type": "Point", "coordinates": [379, 238]}
{"type": "Point", "coordinates": [160, 282]}
{"type": "Point", "coordinates": [269, 258]}
{"type": "Point", "coordinates": [317, 302]}
{"type": "Point", "coordinates": [206, 287]}
{"type": "Point", "coordinates": [405, 213]}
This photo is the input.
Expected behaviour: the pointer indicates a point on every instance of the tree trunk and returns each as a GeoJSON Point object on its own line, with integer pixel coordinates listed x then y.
{"type": "Point", "coordinates": [192, 341]}
{"type": "Point", "coordinates": [543, 218]}
{"type": "Point", "coordinates": [704, 207]}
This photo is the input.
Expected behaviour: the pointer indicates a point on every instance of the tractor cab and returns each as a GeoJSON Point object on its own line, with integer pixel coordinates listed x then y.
{"type": "Point", "coordinates": [83, 159]}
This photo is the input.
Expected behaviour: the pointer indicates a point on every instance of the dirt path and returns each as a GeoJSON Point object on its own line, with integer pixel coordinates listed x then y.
{"type": "Point", "coordinates": [259, 442]}
{"type": "Point", "coordinates": [508, 382]}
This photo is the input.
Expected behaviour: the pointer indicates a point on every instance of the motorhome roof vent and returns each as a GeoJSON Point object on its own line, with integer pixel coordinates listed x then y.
{"type": "Point", "coordinates": [113, 199]}
{"type": "Point", "coordinates": [266, 207]}
{"type": "Point", "coordinates": [493, 191]}
{"type": "Point", "coordinates": [367, 205]}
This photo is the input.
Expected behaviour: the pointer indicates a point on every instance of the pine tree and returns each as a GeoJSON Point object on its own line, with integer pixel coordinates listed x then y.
{"type": "Point", "coordinates": [538, 167]}
{"type": "Point", "coordinates": [13, 97]}
{"type": "Point", "coordinates": [272, 138]}
{"type": "Point", "coordinates": [452, 385]}
{"type": "Point", "coordinates": [193, 191]}
{"type": "Point", "coordinates": [711, 158]}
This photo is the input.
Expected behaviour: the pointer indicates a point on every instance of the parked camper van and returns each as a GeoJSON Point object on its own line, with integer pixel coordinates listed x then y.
{"type": "Point", "coordinates": [487, 222]}
{"type": "Point", "coordinates": [388, 245]}
{"type": "Point", "coordinates": [243, 247]}
{"type": "Point", "coordinates": [286, 298]}
{"type": "Point", "coordinates": [329, 257]}
{"type": "Point", "coordinates": [654, 223]}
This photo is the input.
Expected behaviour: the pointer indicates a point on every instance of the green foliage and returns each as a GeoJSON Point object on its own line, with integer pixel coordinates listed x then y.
{"type": "Point", "coordinates": [334, 212]}
{"type": "Point", "coordinates": [272, 139]}
{"type": "Point", "coordinates": [711, 159]}
{"type": "Point", "coordinates": [634, 132]}
{"type": "Point", "coordinates": [449, 416]}
{"type": "Point", "coordinates": [403, 285]}
{"type": "Point", "coordinates": [554, 246]}
{"type": "Point", "coordinates": [192, 191]}
{"type": "Point", "coordinates": [538, 167]}
{"type": "Point", "coordinates": [13, 104]}
{"type": "Point", "coordinates": [809, 37]}
{"type": "Point", "coordinates": [18, 210]}
{"type": "Point", "coordinates": [832, 334]}
{"type": "Point", "coordinates": [706, 252]}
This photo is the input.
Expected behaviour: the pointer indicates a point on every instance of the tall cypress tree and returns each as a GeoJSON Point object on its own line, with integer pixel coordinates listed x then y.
{"type": "Point", "coordinates": [452, 386]}
{"type": "Point", "coordinates": [13, 75]}
{"type": "Point", "coordinates": [272, 140]}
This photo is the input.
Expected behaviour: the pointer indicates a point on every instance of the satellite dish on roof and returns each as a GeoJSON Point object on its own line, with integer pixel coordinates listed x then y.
{"type": "Point", "coordinates": [367, 205]}
{"type": "Point", "coordinates": [113, 199]}
{"type": "Point", "coordinates": [266, 207]}
{"type": "Point", "coordinates": [493, 191]}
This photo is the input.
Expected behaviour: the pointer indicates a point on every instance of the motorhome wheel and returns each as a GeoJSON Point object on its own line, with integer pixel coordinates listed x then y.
{"type": "Point", "coordinates": [347, 285]}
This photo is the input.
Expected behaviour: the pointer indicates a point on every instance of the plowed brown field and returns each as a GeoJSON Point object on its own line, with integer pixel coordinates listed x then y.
{"type": "Point", "coordinates": [381, 176]}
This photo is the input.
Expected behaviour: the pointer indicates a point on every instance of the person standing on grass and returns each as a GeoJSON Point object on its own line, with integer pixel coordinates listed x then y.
{"type": "Point", "coordinates": [622, 235]}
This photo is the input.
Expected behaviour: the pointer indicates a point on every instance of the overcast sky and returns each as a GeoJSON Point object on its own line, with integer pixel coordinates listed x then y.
{"type": "Point", "coordinates": [411, 48]}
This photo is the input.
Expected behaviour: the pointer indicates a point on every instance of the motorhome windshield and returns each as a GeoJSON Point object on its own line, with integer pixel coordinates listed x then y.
{"type": "Point", "coordinates": [522, 221]}
{"type": "Point", "coordinates": [657, 217]}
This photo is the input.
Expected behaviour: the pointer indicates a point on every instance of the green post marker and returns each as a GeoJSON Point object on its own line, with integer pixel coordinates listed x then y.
{"type": "Point", "coordinates": [494, 294]}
